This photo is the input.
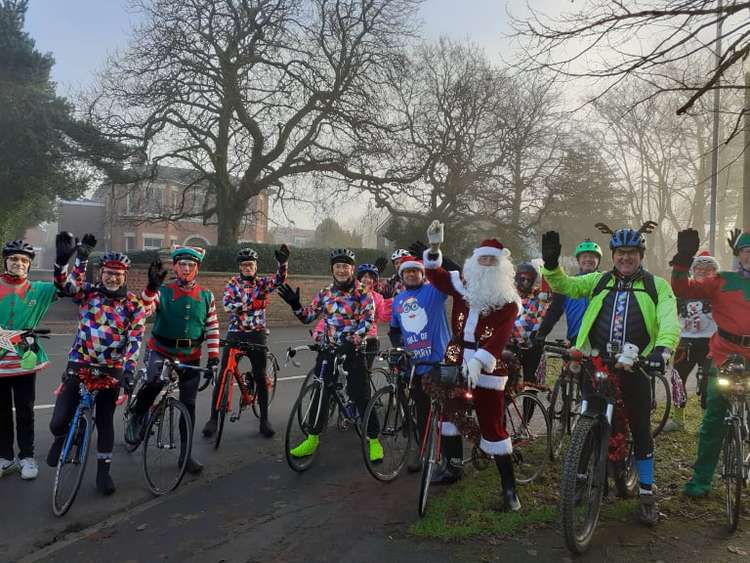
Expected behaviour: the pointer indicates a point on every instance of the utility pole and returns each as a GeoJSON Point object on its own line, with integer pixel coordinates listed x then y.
{"type": "Point", "coordinates": [746, 159]}
{"type": "Point", "coordinates": [715, 141]}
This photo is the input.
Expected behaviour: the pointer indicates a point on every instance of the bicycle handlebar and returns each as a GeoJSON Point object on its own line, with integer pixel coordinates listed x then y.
{"type": "Point", "coordinates": [573, 354]}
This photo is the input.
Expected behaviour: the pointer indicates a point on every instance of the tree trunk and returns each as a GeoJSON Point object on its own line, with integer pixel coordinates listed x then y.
{"type": "Point", "coordinates": [230, 211]}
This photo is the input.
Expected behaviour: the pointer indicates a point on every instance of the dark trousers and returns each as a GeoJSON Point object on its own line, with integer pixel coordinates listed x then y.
{"type": "Point", "coordinates": [258, 362]}
{"type": "Point", "coordinates": [357, 387]}
{"type": "Point", "coordinates": [371, 350]}
{"type": "Point", "coordinates": [18, 391]}
{"type": "Point", "coordinates": [421, 403]}
{"type": "Point", "coordinates": [66, 405]}
{"type": "Point", "coordinates": [696, 356]}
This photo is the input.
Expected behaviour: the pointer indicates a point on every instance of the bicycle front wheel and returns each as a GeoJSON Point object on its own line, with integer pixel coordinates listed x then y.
{"type": "Point", "coordinates": [395, 433]}
{"type": "Point", "coordinates": [733, 474]}
{"type": "Point", "coordinates": [560, 417]}
{"type": "Point", "coordinates": [221, 412]}
{"type": "Point", "coordinates": [72, 463]}
{"type": "Point", "coordinates": [429, 462]}
{"type": "Point", "coordinates": [661, 404]}
{"type": "Point", "coordinates": [582, 484]}
{"type": "Point", "coordinates": [167, 446]}
{"type": "Point", "coordinates": [528, 426]}
{"type": "Point", "coordinates": [307, 416]}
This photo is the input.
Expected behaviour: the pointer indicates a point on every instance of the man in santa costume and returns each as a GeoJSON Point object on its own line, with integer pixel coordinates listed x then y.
{"type": "Point", "coordinates": [485, 306]}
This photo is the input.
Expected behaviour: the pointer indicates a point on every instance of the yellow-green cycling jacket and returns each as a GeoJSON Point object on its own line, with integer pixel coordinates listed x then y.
{"type": "Point", "coordinates": [661, 320]}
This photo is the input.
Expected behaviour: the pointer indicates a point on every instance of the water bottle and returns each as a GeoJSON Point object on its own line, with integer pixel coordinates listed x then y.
{"type": "Point", "coordinates": [350, 410]}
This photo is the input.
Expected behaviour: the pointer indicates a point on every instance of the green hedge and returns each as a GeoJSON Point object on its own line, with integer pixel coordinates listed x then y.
{"type": "Point", "coordinates": [310, 261]}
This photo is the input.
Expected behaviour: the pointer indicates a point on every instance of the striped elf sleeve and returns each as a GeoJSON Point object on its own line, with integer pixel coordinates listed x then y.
{"type": "Point", "coordinates": [212, 329]}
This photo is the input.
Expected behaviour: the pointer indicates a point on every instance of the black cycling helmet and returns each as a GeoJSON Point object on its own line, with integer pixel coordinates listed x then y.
{"type": "Point", "coordinates": [115, 260]}
{"type": "Point", "coordinates": [246, 255]}
{"type": "Point", "coordinates": [342, 256]}
{"type": "Point", "coordinates": [18, 247]}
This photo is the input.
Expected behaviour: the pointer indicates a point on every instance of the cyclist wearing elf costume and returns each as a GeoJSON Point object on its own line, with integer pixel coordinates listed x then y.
{"type": "Point", "coordinates": [729, 293]}
{"type": "Point", "coordinates": [246, 299]}
{"type": "Point", "coordinates": [348, 313]}
{"type": "Point", "coordinates": [110, 329]}
{"type": "Point", "coordinates": [23, 303]}
{"type": "Point", "coordinates": [185, 318]}
{"type": "Point", "coordinates": [588, 255]}
{"type": "Point", "coordinates": [627, 305]}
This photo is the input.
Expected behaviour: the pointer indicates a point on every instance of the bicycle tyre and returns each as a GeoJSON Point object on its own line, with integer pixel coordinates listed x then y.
{"type": "Point", "coordinates": [163, 422]}
{"type": "Point", "coordinates": [659, 418]}
{"type": "Point", "coordinates": [129, 447]}
{"type": "Point", "coordinates": [395, 426]}
{"type": "Point", "coordinates": [271, 380]}
{"type": "Point", "coordinates": [585, 446]}
{"type": "Point", "coordinates": [625, 477]}
{"type": "Point", "coordinates": [733, 475]}
{"type": "Point", "coordinates": [530, 439]}
{"type": "Point", "coordinates": [221, 412]}
{"type": "Point", "coordinates": [78, 451]}
{"type": "Point", "coordinates": [298, 418]}
{"type": "Point", "coordinates": [558, 413]}
{"type": "Point", "coordinates": [429, 463]}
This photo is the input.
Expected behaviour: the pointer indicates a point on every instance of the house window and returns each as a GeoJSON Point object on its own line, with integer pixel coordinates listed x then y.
{"type": "Point", "coordinates": [146, 200]}
{"type": "Point", "coordinates": [129, 242]}
{"type": "Point", "coordinates": [152, 242]}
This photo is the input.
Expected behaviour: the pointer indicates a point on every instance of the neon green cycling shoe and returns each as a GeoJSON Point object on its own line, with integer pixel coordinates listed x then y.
{"type": "Point", "coordinates": [307, 447]}
{"type": "Point", "coordinates": [376, 450]}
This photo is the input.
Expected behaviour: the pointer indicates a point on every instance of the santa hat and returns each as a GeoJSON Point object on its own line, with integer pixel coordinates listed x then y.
{"type": "Point", "coordinates": [410, 263]}
{"type": "Point", "coordinates": [705, 259]}
{"type": "Point", "coordinates": [491, 247]}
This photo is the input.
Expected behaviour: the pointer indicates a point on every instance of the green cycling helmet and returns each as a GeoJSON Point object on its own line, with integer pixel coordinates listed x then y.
{"type": "Point", "coordinates": [588, 245]}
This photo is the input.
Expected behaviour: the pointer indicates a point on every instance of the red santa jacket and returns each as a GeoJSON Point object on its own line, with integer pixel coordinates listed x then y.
{"type": "Point", "coordinates": [476, 334]}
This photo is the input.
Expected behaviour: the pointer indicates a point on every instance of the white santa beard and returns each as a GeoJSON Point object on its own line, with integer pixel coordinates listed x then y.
{"type": "Point", "coordinates": [490, 287]}
{"type": "Point", "coordinates": [415, 324]}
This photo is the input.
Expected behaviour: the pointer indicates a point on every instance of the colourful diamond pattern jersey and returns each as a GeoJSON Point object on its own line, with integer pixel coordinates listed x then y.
{"type": "Point", "coordinates": [530, 316]}
{"type": "Point", "coordinates": [246, 300]}
{"type": "Point", "coordinates": [110, 329]}
{"type": "Point", "coordinates": [344, 312]}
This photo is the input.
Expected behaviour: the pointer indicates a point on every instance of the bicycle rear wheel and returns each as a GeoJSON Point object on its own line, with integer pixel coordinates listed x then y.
{"type": "Point", "coordinates": [395, 435]}
{"type": "Point", "coordinates": [271, 380]}
{"type": "Point", "coordinates": [221, 412]}
{"type": "Point", "coordinates": [661, 404]}
{"type": "Point", "coordinates": [167, 446]}
{"type": "Point", "coordinates": [529, 434]}
{"type": "Point", "coordinates": [126, 411]}
{"type": "Point", "coordinates": [72, 463]}
{"type": "Point", "coordinates": [582, 484]}
{"type": "Point", "coordinates": [733, 474]}
{"type": "Point", "coordinates": [560, 417]}
{"type": "Point", "coordinates": [429, 462]}
{"type": "Point", "coordinates": [307, 414]}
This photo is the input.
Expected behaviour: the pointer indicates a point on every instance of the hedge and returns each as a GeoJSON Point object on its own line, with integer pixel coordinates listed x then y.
{"type": "Point", "coordinates": [309, 261]}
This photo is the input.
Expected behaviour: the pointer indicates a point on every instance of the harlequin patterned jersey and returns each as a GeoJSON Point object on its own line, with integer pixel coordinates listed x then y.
{"type": "Point", "coordinates": [530, 316]}
{"type": "Point", "coordinates": [246, 300]}
{"type": "Point", "coordinates": [344, 312]}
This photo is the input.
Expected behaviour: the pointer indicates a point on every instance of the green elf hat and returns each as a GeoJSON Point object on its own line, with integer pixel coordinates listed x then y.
{"type": "Point", "coordinates": [194, 253]}
{"type": "Point", "coordinates": [742, 242]}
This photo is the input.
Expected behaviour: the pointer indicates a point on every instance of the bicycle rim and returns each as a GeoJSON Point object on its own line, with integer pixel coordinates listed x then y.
{"type": "Point", "coordinates": [733, 475]}
{"type": "Point", "coordinates": [303, 418]}
{"type": "Point", "coordinates": [557, 417]}
{"type": "Point", "coordinates": [429, 463]}
{"type": "Point", "coordinates": [530, 437]}
{"type": "Point", "coordinates": [582, 485]}
{"type": "Point", "coordinates": [130, 448]}
{"type": "Point", "coordinates": [71, 467]}
{"type": "Point", "coordinates": [395, 434]}
{"type": "Point", "coordinates": [167, 447]}
{"type": "Point", "coordinates": [221, 413]}
{"type": "Point", "coordinates": [661, 404]}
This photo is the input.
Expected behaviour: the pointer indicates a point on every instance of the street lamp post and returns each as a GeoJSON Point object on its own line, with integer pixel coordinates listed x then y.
{"type": "Point", "coordinates": [715, 141]}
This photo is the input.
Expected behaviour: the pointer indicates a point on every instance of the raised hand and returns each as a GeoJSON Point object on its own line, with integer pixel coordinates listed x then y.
{"type": "Point", "coordinates": [282, 254]}
{"type": "Point", "coordinates": [417, 249]}
{"type": "Point", "coordinates": [86, 246]}
{"type": "Point", "coordinates": [65, 247]}
{"type": "Point", "coordinates": [435, 233]}
{"type": "Point", "coordinates": [291, 296]}
{"type": "Point", "coordinates": [688, 242]}
{"type": "Point", "coordinates": [734, 235]}
{"type": "Point", "coordinates": [551, 249]}
{"type": "Point", "coordinates": [381, 264]}
{"type": "Point", "coordinates": [156, 275]}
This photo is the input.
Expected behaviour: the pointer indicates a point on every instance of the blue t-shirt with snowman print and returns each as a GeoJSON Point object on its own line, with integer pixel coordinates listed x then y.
{"type": "Point", "coordinates": [421, 316]}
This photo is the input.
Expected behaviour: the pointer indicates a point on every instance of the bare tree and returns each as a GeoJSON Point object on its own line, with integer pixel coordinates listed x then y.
{"type": "Point", "coordinates": [251, 93]}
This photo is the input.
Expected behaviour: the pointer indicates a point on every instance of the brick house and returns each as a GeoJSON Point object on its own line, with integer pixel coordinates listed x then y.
{"type": "Point", "coordinates": [132, 213]}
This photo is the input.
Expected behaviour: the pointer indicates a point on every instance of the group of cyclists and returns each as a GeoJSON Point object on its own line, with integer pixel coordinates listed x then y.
{"type": "Point", "coordinates": [495, 306]}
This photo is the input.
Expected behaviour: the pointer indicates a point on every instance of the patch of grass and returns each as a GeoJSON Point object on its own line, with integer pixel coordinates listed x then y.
{"type": "Point", "coordinates": [471, 508]}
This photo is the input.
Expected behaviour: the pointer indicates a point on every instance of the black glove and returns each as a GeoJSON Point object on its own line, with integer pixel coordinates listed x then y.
{"type": "Point", "coordinates": [282, 254]}
{"type": "Point", "coordinates": [655, 360]}
{"type": "Point", "coordinates": [417, 249]}
{"type": "Point", "coordinates": [551, 249]}
{"type": "Point", "coordinates": [381, 264]}
{"type": "Point", "coordinates": [156, 275]}
{"type": "Point", "coordinates": [688, 242]}
{"type": "Point", "coordinates": [86, 246]}
{"type": "Point", "coordinates": [65, 247]}
{"type": "Point", "coordinates": [213, 365]}
{"type": "Point", "coordinates": [734, 234]}
{"type": "Point", "coordinates": [290, 295]}
{"type": "Point", "coordinates": [128, 381]}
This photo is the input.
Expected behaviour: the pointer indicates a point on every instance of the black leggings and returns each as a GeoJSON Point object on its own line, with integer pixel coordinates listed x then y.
{"type": "Point", "coordinates": [65, 407]}
{"type": "Point", "coordinates": [258, 362]}
{"type": "Point", "coordinates": [17, 391]}
{"type": "Point", "coordinates": [696, 356]}
{"type": "Point", "coordinates": [357, 386]}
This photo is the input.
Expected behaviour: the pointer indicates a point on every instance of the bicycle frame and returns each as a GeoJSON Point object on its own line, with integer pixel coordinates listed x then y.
{"type": "Point", "coordinates": [232, 370]}
{"type": "Point", "coordinates": [87, 402]}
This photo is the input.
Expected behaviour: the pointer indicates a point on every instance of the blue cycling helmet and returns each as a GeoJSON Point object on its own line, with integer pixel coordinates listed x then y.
{"type": "Point", "coordinates": [627, 238]}
{"type": "Point", "coordinates": [363, 269]}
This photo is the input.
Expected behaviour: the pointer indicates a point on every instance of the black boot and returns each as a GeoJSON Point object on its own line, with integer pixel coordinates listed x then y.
{"type": "Point", "coordinates": [194, 467]}
{"type": "Point", "coordinates": [210, 428]}
{"type": "Point", "coordinates": [53, 456]}
{"type": "Point", "coordinates": [104, 483]}
{"type": "Point", "coordinates": [261, 389]}
{"type": "Point", "coordinates": [452, 452]}
{"type": "Point", "coordinates": [266, 429]}
{"type": "Point", "coordinates": [508, 478]}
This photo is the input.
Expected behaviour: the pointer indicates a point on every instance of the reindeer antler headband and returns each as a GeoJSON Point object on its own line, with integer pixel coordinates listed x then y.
{"type": "Point", "coordinates": [647, 228]}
